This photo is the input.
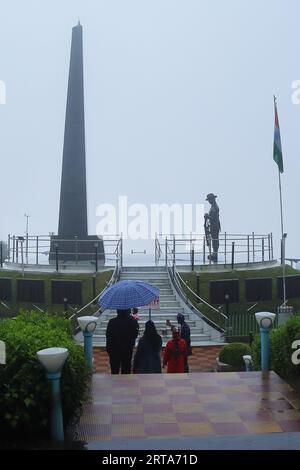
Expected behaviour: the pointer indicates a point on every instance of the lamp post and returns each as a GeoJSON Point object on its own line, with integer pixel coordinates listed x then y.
{"type": "Point", "coordinates": [56, 256]}
{"type": "Point", "coordinates": [248, 362]}
{"type": "Point", "coordinates": [227, 304]}
{"type": "Point", "coordinates": [88, 325]}
{"type": "Point", "coordinates": [65, 304]}
{"type": "Point", "coordinates": [265, 321]}
{"type": "Point", "coordinates": [96, 257]}
{"type": "Point", "coordinates": [53, 360]}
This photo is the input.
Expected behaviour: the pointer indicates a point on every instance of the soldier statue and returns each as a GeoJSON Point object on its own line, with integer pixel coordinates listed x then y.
{"type": "Point", "coordinates": [212, 227]}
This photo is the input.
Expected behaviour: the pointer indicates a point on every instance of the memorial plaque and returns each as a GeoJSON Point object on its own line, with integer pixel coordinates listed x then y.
{"type": "Point", "coordinates": [5, 289]}
{"type": "Point", "coordinates": [258, 290]}
{"type": "Point", "coordinates": [292, 285]}
{"type": "Point", "coordinates": [30, 290]}
{"type": "Point", "coordinates": [218, 290]}
{"type": "Point", "coordinates": [70, 290]}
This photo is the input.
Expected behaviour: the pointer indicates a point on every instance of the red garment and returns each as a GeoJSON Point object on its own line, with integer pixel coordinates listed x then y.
{"type": "Point", "coordinates": [175, 356]}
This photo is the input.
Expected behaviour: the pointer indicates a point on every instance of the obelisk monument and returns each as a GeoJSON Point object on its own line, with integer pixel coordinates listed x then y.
{"type": "Point", "coordinates": [73, 242]}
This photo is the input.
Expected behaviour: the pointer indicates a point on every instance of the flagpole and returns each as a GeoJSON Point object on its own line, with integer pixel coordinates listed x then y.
{"type": "Point", "coordinates": [283, 236]}
{"type": "Point", "coordinates": [282, 240]}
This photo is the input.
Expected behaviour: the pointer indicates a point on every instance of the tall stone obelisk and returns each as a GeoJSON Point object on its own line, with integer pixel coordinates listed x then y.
{"type": "Point", "coordinates": [73, 203]}
{"type": "Point", "coordinates": [73, 242]}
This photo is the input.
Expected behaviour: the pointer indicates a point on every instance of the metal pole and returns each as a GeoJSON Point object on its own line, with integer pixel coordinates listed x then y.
{"type": "Point", "coordinates": [17, 250]}
{"type": "Point", "coordinates": [14, 247]}
{"type": "Point", "coordinates": [263, 248]}
{"type": "Point", "coordinates": [232, 256]}
{"type": "Point", "coordinates": [283, 270]}
{"type": "Point", "coordinates": [174, 253]}
{"type": "Point", "coordinates": [248, 248]}
{"type": "Point", "coordinates": [8, 248]}
{"type": "Point", "coordinates": [265, 348]}
{"type": "Point", "coordinates": [26, 249]}
{"type": "Point", "coordinates": [272, 252]}
{"type": "Point", "coordinates": [269, 246]}
{"type": "Point", "coordinates": [253, 246]}
{"type": "Point", "coordinates": [88, 348]}
{"type": "Point", "coordinates": [96, 258]}
{"type": "Point", "coordinates": [204, 242]}
{"type": "Point", "coordinates": [1, 254]}
{"type": "Point", "coordinates": [76, 249]}
{"type": "Point", "coordinates": [57, 427]}
{"type": "Point", "coordinates": [225, 248]}
{"type": "Point", "coordinates": [94, 288]}
{"type": "Point", "coordinates": [166, 251]}
{"type": "Point", "coordinates": [37, 250]}
{"type": "Point", "coordinates": [22, 257]}
{"type": "Point", "coordinates": [193, 257]}
{"type": "Point", "coordinates": [56, 256]}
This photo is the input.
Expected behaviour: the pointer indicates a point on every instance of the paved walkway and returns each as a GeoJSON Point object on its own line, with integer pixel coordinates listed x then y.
{"type": "Point", "coordinates": [131, 410]}
{"type": "Point", "coordinates": [202, 360]}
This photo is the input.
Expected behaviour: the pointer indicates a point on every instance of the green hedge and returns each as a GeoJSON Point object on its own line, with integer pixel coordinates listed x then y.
{"type": "Point", "coordinates": [25, 399]}
{"type": "Point", "coordinates": [233, 353]}
{"type": "Point", "coordinates": [281, 340]}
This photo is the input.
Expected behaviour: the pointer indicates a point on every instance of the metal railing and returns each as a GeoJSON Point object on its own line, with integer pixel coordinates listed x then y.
{"type": "Point", "coordinates": [35, 250]}
{"type": "Point", "coordinates": [182, 289]}
{"type": "Point", "coordinates": [191, 249]}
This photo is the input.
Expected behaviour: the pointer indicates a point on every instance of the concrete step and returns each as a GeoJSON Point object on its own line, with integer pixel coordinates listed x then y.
{"type": "Point", "coordinates": [144, 268]}
{"type": "Point", "coordinates": [161, 324]}
{"type": "Point", "coordinates": [144, 275]}
{"type": "Point", "coordinates": [100, 340]}
{"type": "Point", "coordinates": [157, 315]}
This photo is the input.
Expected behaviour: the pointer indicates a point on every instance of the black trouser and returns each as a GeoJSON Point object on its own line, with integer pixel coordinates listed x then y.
{"type": "Point", "coordinates": [121, 361]}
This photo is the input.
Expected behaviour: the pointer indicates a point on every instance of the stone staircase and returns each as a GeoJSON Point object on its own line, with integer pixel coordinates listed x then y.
{"type": "Point", "coordinates": [170, 305]}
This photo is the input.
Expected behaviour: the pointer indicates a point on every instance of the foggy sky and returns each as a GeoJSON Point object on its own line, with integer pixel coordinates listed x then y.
{"type": "Point", "coordinates": [178, 103]}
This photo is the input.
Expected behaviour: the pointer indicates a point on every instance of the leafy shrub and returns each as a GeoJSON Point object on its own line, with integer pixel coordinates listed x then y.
{"type": "Point", "coordinates": [25, 399]}
{"type": "Point", "coordinates": [281, 340]}
{"type": "Point", "coordinates": [233, 353]}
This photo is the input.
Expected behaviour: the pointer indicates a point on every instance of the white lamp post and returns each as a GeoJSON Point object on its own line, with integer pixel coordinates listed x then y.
{"type": "Point", "coordinates": [248, 362]}
{"type": "Point", "coordinates": [88, 325]}
{"type": "Point", "coordinates": [265, 321]}
{"type": "Point", "coordinates": [53, 360]}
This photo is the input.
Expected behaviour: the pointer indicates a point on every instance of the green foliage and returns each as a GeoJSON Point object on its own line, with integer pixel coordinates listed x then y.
{"type": "Point", "coordinates": [25, 399]}
{"type": "Point", "coordinates": [233, 353]}
{"type": "Point", "coordinates": [281, 340]}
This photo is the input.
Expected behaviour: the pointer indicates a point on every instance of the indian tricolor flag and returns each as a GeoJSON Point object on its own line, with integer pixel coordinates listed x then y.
{"type": "Point", "coordinates": [277, 151]}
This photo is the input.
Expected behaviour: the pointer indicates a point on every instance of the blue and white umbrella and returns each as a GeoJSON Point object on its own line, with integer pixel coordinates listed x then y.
{"type": "Point", "coordinates": [128, 294]}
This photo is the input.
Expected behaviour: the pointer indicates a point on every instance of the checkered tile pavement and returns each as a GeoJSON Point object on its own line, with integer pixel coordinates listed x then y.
{"type": "Point", "coordinates": [202, 360]}
{"type": "Point", "coordinates": [181, 405]}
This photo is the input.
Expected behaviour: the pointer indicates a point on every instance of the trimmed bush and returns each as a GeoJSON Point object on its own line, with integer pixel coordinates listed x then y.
{"type": "Point", "coordinates": [25, 399]}
{"type": "Point", "coordinates": [281, 340]}
{"type": "Point", "coordinates": [233, 353]}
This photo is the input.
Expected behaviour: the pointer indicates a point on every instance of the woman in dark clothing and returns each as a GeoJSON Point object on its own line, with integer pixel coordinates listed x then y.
{"type": "Point", "coordinates": [147, 357]}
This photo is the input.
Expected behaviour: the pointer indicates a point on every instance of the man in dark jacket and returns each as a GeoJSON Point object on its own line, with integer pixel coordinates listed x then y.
{"type": "Point", "coordinates": [185, 333]}
{"type": "Point", "coordinates": [121, 333]}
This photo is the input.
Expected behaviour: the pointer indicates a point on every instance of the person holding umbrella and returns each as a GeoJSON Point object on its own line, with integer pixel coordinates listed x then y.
{"type": "Point", "coordinates": [122, 330]}
{"type": "Point", "coordinates": [121, 334]}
